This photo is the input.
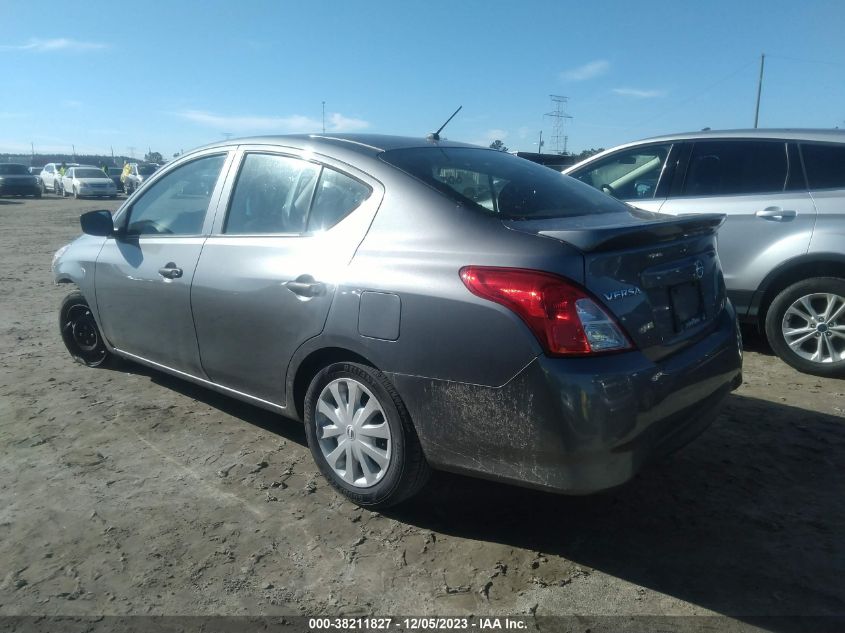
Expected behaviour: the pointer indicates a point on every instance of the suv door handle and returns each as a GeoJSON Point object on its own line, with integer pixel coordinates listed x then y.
{"type": "Point", "coordinates": [170, 271]}
{"type": "Point", "coordinates": [306, 287]}
{"type": "Point", "coordinates": [776, 213]}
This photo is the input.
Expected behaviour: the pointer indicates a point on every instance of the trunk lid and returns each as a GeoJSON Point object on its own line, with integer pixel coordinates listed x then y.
{"type": "Point", "coordinates": [658, 275]}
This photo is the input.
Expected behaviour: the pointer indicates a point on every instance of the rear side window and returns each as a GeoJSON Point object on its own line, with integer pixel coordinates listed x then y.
{"type": "Point", "coordinates": [722, 168]}
{"type": "Point", "coordinates": [497, 183]}
{"type": "Point", "coordinates": [337, 196]}
{"type": "Point", "coordinates": [825, 165]}
{"type": "Point", "coordinates": [272, 195]}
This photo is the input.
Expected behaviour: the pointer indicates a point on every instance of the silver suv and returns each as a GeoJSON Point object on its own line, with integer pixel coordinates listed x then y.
{"type": "Point", "coordinates": [783, 245]}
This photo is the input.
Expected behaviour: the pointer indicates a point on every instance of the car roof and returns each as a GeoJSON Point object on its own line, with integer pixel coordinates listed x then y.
{"type": "Point", "coordinates": [367, 144]}
{"type": "Point", "coordinates": [788, 134]}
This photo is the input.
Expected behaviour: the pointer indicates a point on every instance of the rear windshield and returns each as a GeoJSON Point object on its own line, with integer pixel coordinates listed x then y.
{"type": "Point", "coordinates": [500, 184]}
{"type": "Point", "coordinates": [89, 173]}
{"type": "Point", "coordinates": [13, 170]}
{"type": "Point", "coordinates": [147, 170]}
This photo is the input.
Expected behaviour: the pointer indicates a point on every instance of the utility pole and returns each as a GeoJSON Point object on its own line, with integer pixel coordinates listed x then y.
{"type": "Point", "coordinates": [540, 143]}
{"type": "Point", "coordinates": [759, 89]}
{"type": "Point", "coordinates": [324, 117]}
{"type": "Point", "coordinates": [228, 135]}
{"type": "Point", "coordinates": [32, 145]}
{"type": "Point", "coordinates": [74, 151]}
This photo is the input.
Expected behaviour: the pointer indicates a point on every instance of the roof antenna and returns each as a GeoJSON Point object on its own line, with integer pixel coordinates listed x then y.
{"type": "Point", "coordinates": [435, 136]}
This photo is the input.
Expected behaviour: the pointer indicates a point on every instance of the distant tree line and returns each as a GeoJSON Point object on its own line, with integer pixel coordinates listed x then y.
{"type": "Point", "coordinates": [500, 146]}
{"type": "Point", "coordinates": [39, 160]}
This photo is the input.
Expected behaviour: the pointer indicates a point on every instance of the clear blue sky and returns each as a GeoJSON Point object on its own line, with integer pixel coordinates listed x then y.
{"type": "Point", "coordinates": [173, 75]}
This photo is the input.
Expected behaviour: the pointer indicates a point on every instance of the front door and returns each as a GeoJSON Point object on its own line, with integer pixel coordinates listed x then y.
{"type": "Point", "coordinates": [143, 276]}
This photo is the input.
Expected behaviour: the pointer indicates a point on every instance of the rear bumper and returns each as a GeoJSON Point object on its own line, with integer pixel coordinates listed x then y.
{"type": "Point", "coordinates": [576, 425]}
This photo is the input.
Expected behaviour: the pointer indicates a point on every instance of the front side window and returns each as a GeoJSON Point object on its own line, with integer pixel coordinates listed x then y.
{"type": "Point", "coordinates": [825, 165]}
{"type": "Point", "coordinates": [336, 197]}
{"type": "Point", "coordinates": [722, 168]}
{"type": "Point", "coordinates": [177, 203]}
{"type": "Point", "coordinates": [497, 183]}
{"type": "Point", "coordinates": [629, 174]}
{"type": "Point", "coordinates": [272, 195]}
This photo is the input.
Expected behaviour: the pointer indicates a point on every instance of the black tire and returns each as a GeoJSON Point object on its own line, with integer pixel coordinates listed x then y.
{"type": "Point", "coordinates": [75, 193]}
{"type": "Point", "coordinates": [775, 320]}
{"type": "Point", "coordinates": [37, 194]}
{"type": "Point", "coordinates": [407, 470]}
{"type": "Point", "coordinates": [43, 188]}
{"type": "Point", "coordinates": [80, 332]}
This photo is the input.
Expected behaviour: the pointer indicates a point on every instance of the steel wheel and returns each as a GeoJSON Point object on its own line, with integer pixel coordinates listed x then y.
{"type": "Point", "coordinates": [80, 333]}
{"type": "Point", "coordinates": [353, 432]}
{"type": "Point", "coordinates": [814, 327]}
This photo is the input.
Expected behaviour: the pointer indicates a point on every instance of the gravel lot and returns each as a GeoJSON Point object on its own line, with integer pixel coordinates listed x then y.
{"type": "Point", "coordinates": [123, 491]}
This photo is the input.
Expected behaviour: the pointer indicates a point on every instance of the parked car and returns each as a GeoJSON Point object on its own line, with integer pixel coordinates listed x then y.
{"type": "Point", "coordinates": [36, 171]}
{"type": "Point", "coordinates": [15, 180]}
{"type": "Point", "coordinates": [87, 182]}
{"type": "Point", "coordinates": [783, 245]}
{"type": "Point", "coordinates": [138, 173]}
{"type": "Point", "coordinates": [550, 337]}
{"type": "Point", "coordinates": [51, 178]}
{"type": "Point", "coordinates": [115, 174]}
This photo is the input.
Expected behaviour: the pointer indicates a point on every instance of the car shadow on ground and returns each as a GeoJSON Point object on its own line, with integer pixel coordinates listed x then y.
{"type": "Point", "coordinates": [747, 520]}
{"type": "Point", "coordinates": [2, 201]}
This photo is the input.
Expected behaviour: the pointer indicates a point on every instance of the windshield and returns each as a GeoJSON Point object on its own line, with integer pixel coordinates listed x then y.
{"type": "Point", "coordinates": [500, 184]}
{"type": "Point", "coordinates": [146, 170]}
{"type": "Point", "coordinates": [13, 170]}
{"type": "Point", "coordinates": [89, 173]}
{"type": "Point", "coordinates": [115, 171]}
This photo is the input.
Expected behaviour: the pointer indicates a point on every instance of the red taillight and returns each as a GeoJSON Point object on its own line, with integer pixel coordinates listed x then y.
{"type": "Point", "coordinates": [563, 317]}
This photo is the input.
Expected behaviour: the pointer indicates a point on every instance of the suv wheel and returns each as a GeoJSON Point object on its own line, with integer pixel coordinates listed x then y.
{"type": "Point", "coordinates": [361, 436]}
{"type": "Point", "coordinates": [805, 326]}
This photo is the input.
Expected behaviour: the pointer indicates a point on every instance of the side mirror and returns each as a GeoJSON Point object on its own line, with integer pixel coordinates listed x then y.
{"type": "Point", "coordinates": [97, 223]}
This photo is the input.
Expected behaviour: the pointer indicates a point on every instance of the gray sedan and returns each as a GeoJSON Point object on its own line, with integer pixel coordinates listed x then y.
{"type": "Point", "coordinates": [417, 304]}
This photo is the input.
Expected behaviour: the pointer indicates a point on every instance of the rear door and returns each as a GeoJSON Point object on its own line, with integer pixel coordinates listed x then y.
{"type": "Point", "coordinates": [143, 277]}
{"type": "Point", "coordinates": [759, 184]}
{"type": "Point", "coordinates": [637, 175]}
{"type": "Point", "coordinates": [825, 166]}
{"type": "Point", "coordinates": [267, 275]}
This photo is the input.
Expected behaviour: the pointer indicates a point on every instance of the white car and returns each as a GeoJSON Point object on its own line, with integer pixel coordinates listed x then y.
{"type": "Point", "coordinates": [85, 182]}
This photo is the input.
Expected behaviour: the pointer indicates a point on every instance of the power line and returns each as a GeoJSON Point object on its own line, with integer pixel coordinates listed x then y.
{"type": "Point", "coordinates": [694, 96]}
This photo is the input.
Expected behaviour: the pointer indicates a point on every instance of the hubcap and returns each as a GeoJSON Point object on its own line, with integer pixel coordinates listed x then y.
{"type": "Point", "coordinates": [353, 433]}
{"type": "Point", "coordinates": [814, 327]}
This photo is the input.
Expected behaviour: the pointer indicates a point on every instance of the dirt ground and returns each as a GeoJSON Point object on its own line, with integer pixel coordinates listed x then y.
{"type": "Point", "coordinates": [129, 492]}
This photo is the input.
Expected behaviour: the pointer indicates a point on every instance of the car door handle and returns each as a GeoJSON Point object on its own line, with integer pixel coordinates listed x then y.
{"type": "Point", "coordinates": [170, 271]}
{"type": "Point", "coordinates": [305, 286]}
{"type": "Point", "coordinates": [776, 213]}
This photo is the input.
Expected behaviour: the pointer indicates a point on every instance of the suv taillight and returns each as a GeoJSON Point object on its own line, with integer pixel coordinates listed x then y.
{"type": "Point", "coordinates": [565, 318]}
